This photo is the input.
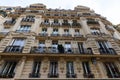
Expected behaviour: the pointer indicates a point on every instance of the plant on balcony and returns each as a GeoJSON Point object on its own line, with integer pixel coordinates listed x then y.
{"type": "Point", "coordinates": [60, 48]}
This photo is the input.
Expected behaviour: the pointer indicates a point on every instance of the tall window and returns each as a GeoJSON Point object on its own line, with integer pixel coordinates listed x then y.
{"type": "Point", "coordinates": [68, 47]}
{"type": "Point", "coordinates": [105, 47]}
{"type": "Point", "coordinates": [53, 69]}
{"type": "Point", "coordinates": [36, 69]}
{"type": "Point", "coordinates": [54, 47]}
{"type": "Point", "coordinates": [86, 69]}
{"type": "Point", "coordinates": [18, 42]}
{"type": "Point", "coordinates": [70, 70]}
{"type": "Point", "coordinates": [24, 28]}
{"type": "Point", "coordinates": [8, 70]}
{"type": "Point", "coordinates": [77, 32]}
{"type": "Point", "coordinates": [112, 70]}
{"type": "Point", "coordinates": [15, 46]}
{"type": "Point", "coordinates": [41, 47]}
{"type": "Point", "coordinates": [81, 48]}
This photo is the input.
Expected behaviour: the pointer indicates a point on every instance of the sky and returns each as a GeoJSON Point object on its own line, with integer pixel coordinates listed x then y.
{"type": "Point", "coordinates": [107, 8]}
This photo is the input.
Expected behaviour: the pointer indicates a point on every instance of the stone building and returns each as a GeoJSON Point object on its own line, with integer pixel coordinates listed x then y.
{"type": "Point", "coordinates": [37, 43]}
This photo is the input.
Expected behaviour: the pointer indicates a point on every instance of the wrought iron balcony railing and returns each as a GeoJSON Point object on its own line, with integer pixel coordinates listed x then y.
{"type": "Point", "coordinates": [6, 75]}
{"type": "Point", "coordinates": [53, 34]}
{"type": "Point", "coordinates": [117, 75]}
{"type": "Point", "coordinates": [68, 75]}
{"type": "Point", "coordinates": [78, 35]}
{"type": "Point", "coordinates": [109, 51]}
{"type": "Point", "coordinates": [67, 35]}
{"type": "Point", "coordinates": [14, 49]}
{"type": "Point", "coordinates": [51, 75]}
{"type": "Point", "coordinates": [43, 34]}
{"type": "Point", "coordinates": [55, 24]}
{"type": "Point", "coordinates": [85, 51]}
{"type": "Point", "coordinates": [89, 75]}
{"type": "Point", "coordinates": [53, 50]}
{"type": "Point", "coordinates": [25, 31]}
{"type": "Point", "coordinates": [34, 75]}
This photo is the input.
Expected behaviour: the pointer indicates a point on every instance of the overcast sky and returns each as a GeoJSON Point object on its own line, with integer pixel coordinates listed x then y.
{"type": "Point", "coordinates": [107, 8]}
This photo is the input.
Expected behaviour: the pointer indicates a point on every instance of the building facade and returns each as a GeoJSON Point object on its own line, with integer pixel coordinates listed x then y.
{"type": "Point", "coordinates": [37, 43]}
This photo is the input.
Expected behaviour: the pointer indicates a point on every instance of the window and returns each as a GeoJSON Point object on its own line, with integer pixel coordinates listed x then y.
{"type": "Point", "coordinates": [35, 69]}
{"type": "Point", "coordinates": [44, 30]}
{"type": "Point", "coordinates": [65, 21]}
{"type": "Point", "coordinates": [68, 47]}
{"type": "Point", "coordinates": [77, 32]}
{"type": "Point", "coordinates": [15, 46]}
{"type": "Point", "coordinates": [87, 71]}
{"type": "Point", "coordinates": [8, 70]}
{"type": "Point", "coordinates": [66, 31]}
{"type": "Point", "coordinates": [81, 48]}
{"type": "Point", "coordinates": [18, 42]}
{"type": "Point", "coordinates": [24, 28]}
{"type": "Point", "coordinates": [41, 47]}
{"type": "Point", "coordinates": [112, 70]}
{"type": "Point", "coordinates": [53, 69]}
{"type": "Point", "coordinates": [56, 21]}
{"type": "Point", "coordinates": [55, 31]}
{"type": "Point", "coordinates": [46, 21]}
{"type": "Point", "coordinates": [70, 70]}
{"type": "Point", "coordinates": [54, 47]}
{"type": "Point", "coordinates": [105, 47]}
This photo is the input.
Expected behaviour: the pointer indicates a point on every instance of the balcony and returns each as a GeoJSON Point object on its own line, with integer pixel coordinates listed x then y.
{"type": "Point", "coordinates": [7, 75]}
{"type": "Point", "coordinates": [13, 49]}
{"type": "Point", "coordinates": [107, 51]}
{"type": "Point", "coordinates": [55, 35]}
{"type": "Point", "coordinates": [23, 31]}
{"type": "Point", "coordinates": [76, 25]}
{"type": "Point", "coordinates": [34, 75]}
{"type": "Point", "coordinates": [9, 23]}
{"type": "Point", "coordinates": [51, 75]}
{"type": "Point", "coordinates": [85, 51]}
{"type": "Point", "coordinates": [28, 19]}
{"type": "Point", "coordinates": [66, 24]}
{"type": "Point", "coordinates": [55, 24]}
{"type": "Point", "coordinates": [68, 75]}
{"type": "Point", "coordinates": [43, 34]}
{"type": "Point", "coordinates": [3, 34]}
{"type": "Point", "coordinates": [117, 75]}
{"type": "Point", "coordinates": [78, 35]}
{"type": "Point", "coordinates": [89, 75]}
{"type": "Point", "coordinates": [45, 24]}
{"type": "Point", "coordinates": [92, 22]}
{"type": "Point", "coordinates": [67, 35]}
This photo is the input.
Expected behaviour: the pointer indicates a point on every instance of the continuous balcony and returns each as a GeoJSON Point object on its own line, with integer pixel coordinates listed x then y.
{"type": "Point", "coordinates": [13, 49]}
{"type": "Point", "coordinates": [107, 51]}
{"type": "Point", "coordinates": [54, 50]}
